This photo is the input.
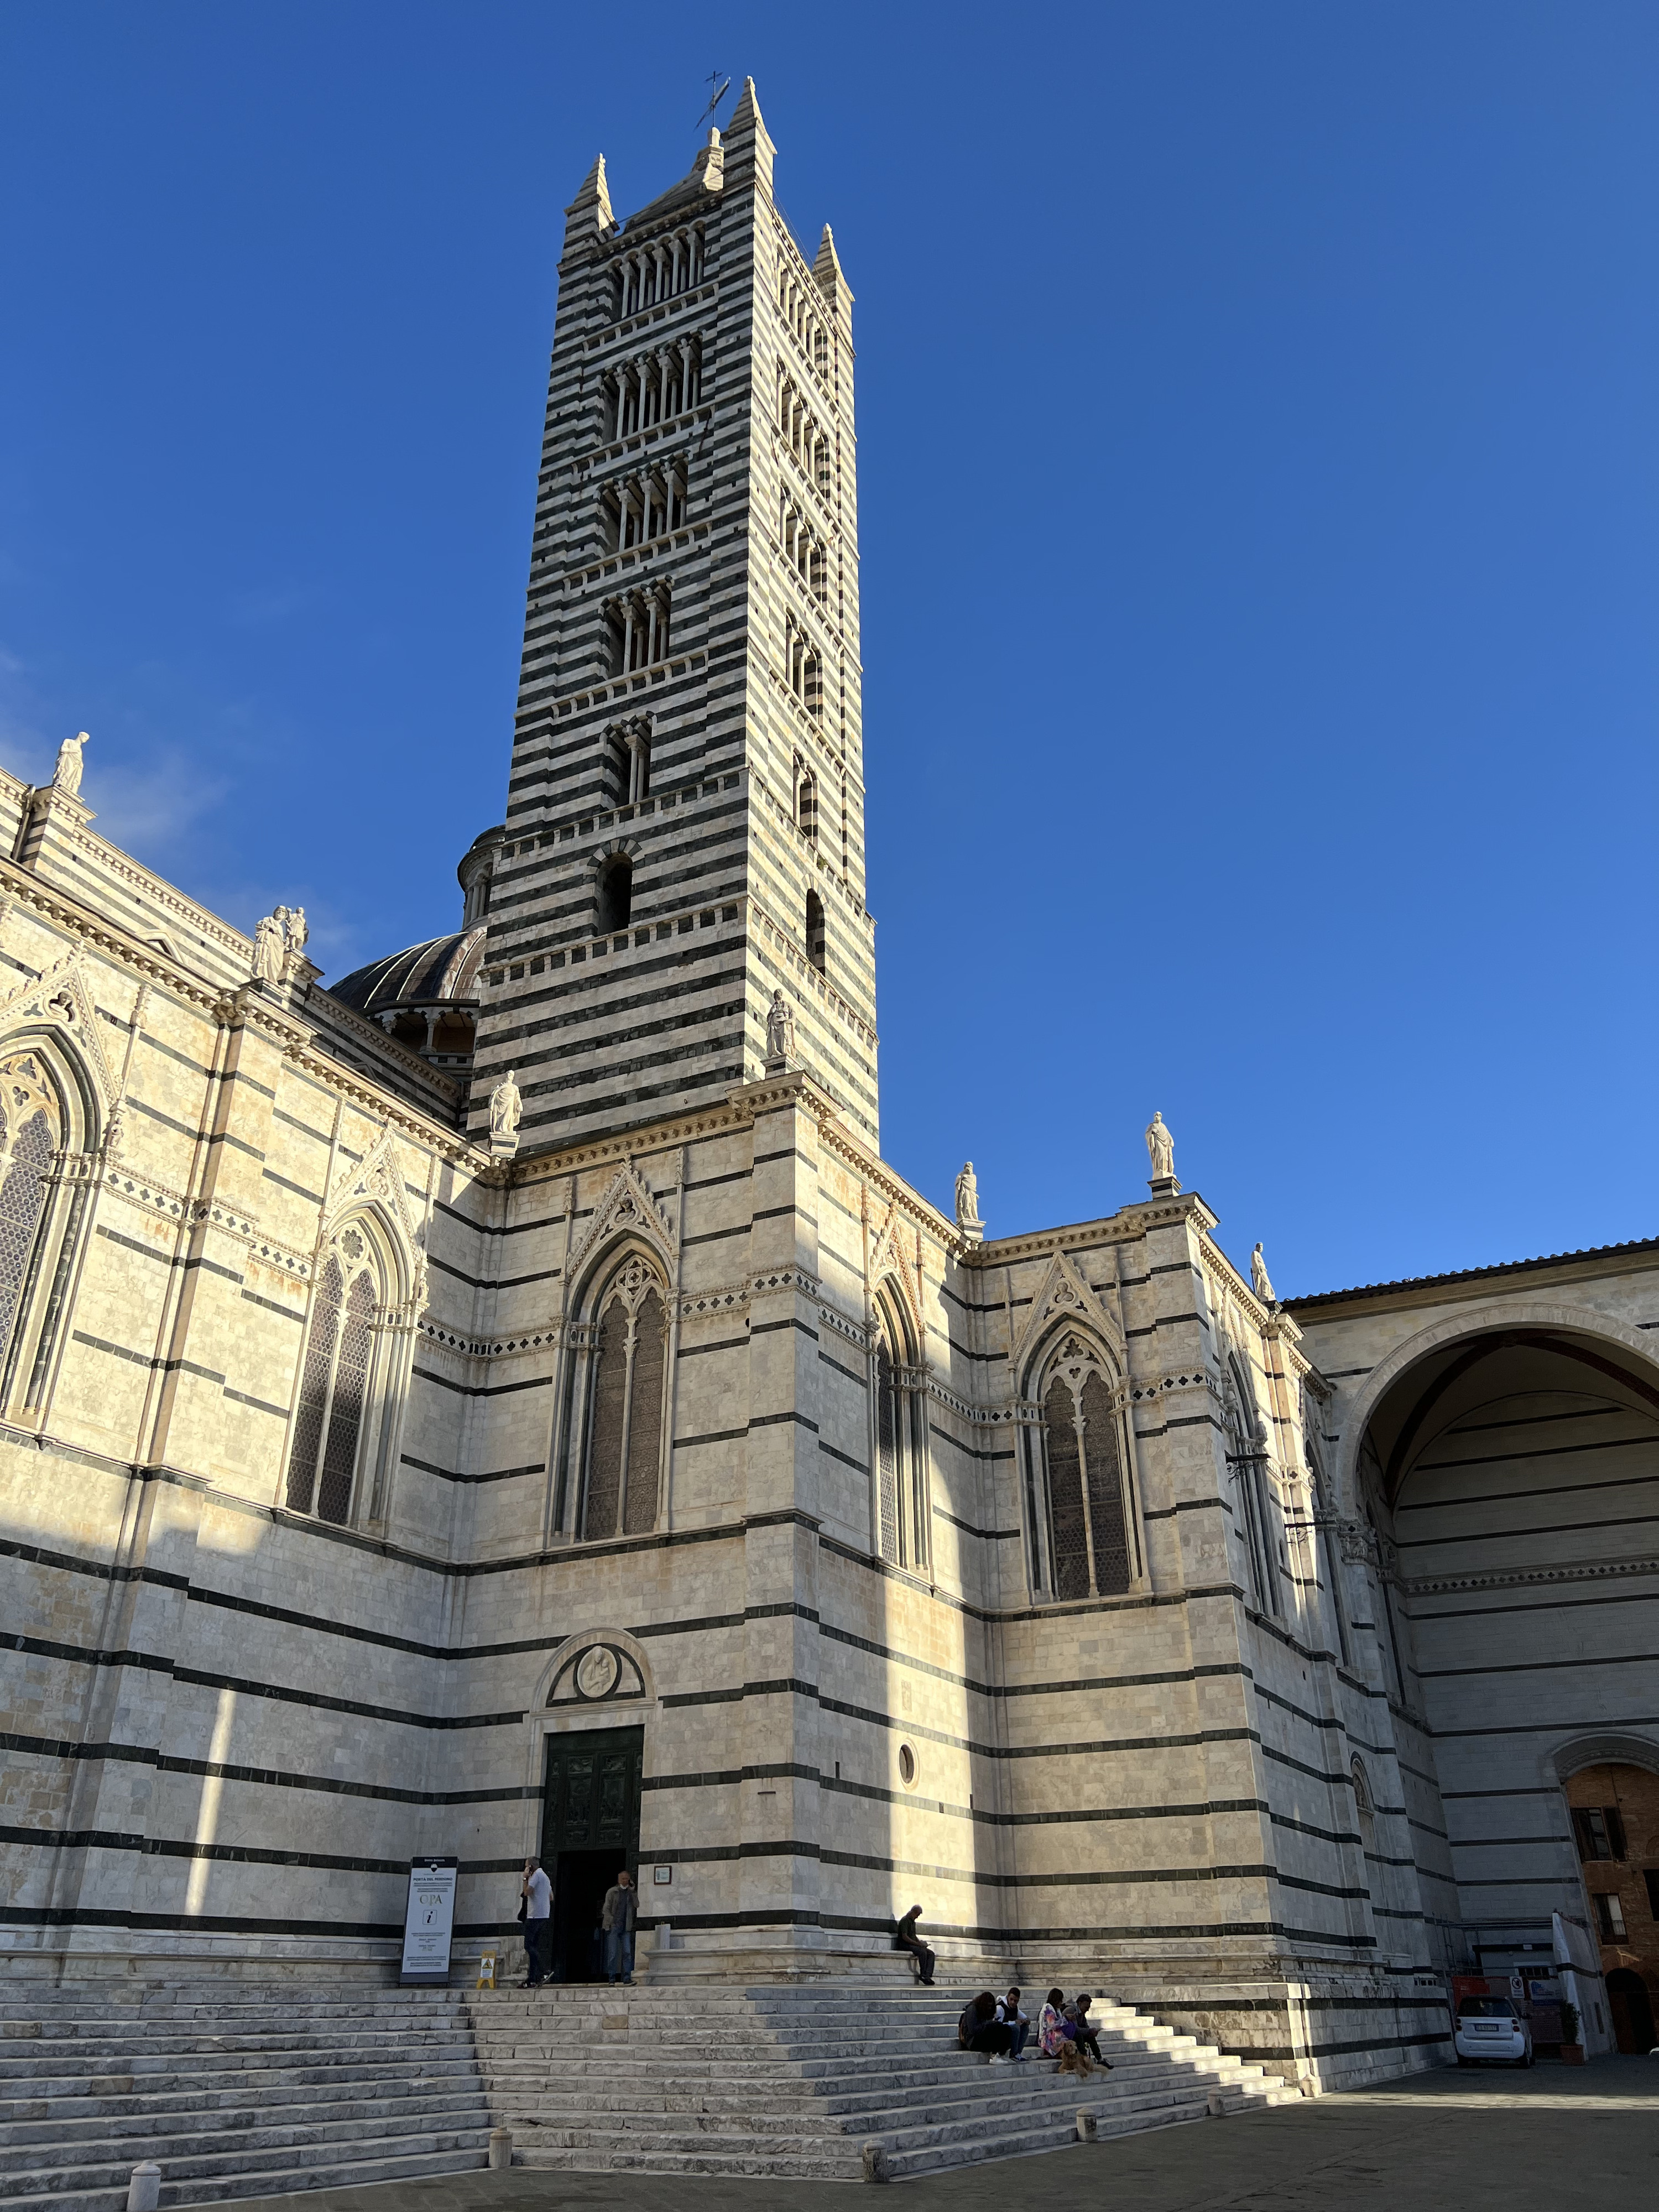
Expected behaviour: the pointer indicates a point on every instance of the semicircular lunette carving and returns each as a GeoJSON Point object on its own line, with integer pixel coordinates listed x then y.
{"type": "Point", "coordinates": [596, 1672]}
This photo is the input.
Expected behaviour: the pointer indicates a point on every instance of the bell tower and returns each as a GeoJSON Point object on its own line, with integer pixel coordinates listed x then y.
{"type": "Point", "coordinates": [684, 829]}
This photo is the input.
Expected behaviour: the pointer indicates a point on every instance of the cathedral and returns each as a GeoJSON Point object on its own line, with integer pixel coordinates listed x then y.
{"type": "Point", "coordinates": [502, 1401]}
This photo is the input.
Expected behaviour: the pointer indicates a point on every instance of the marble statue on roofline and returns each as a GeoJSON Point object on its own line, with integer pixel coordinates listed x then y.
{"type": "Point", "coordinates": [1160, 1148]}
{"type": "Point", "coordinates": [1260, 1281]}
{"type": "Point", "coordinates": [66, 776]}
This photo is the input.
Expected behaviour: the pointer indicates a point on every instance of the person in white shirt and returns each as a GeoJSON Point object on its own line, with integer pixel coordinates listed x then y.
{"type": "Point", "coordinates": [1009, 2013]}
{"type": "Point", "coordinates": [537, 1892]}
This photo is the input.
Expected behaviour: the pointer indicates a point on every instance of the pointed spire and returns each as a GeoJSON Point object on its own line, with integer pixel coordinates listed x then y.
{"type": "Point", "coordinates": [748, 148]}
{"type": "Point", "coordinates": [588, 216]}
{"type": "Point", "coordinates": [826, 269]}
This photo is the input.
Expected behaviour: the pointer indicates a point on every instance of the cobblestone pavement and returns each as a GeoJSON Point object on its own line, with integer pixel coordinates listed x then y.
{"type": "Point", "coordinates": [1461, 2140]}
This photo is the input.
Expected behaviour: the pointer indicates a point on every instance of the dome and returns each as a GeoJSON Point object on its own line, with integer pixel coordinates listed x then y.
{"type": "Point", "coordinates": [426, 996]}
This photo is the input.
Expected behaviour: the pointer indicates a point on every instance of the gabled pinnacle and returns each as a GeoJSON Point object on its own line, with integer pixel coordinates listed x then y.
{"type": "Point", "coordinates": [595, 193]}
{"type": "Point", "coordinates": [749, 150]}
{"type": "Point", "coordinates": [746, 115]}
{"type": "Point", "coordinates": [828, 270]}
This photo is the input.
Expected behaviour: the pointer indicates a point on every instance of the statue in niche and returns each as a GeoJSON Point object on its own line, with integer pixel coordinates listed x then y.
{"type": "Point", "coordinates": [66, 776]}
{"type": "Point", "coordinates": [115, 1131]}
{"type": "Point", "coordinates": [270, 948]}
{"type": "Point", "coordinates": [1260, 1282]}
{"type": "Point", "coordinates": [780, 1035]}
{"type": "Point", "coordinates": [506, 1112]}
{"type": "Point", "coordinates": [967, 1197]}
{"type": "Point", "coordinates": [1160, 1148]}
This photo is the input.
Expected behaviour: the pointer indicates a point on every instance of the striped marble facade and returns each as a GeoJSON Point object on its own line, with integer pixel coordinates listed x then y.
{"type": "Point", "coordinates": [1227, 1657]}
{"type": "Point", "coordinates": [690, 704]}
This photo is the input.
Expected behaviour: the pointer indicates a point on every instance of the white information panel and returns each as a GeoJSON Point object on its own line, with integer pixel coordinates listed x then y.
{"type": "Point", "coordinates": [430, 1920]}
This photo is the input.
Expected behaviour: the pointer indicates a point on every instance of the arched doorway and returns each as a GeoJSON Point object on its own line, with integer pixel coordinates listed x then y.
{"type": "Point", "coordinates": [1633, 2010]}
{"type": "Point", "coordinates": [1504, 1487]}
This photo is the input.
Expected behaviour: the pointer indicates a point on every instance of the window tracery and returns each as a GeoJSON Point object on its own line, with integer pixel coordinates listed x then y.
{"type": "Point", "coordinates": [622, 1477]}
{"type": "Point", "coordinates": [1091, 1539]}
{"type": "Point", "coordinates": [332, 1424]}
{"type": "Point", "coordinates": [31, 1132]}
{"type": "Point", "coordinates": [900, 1508]}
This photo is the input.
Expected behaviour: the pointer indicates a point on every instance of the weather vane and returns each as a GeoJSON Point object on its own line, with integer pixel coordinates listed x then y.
{"type": "Point", "coordinates": [721, 86]}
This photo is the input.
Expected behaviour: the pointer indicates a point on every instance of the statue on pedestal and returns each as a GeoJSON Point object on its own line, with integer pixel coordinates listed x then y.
{"type": "Point", "coordinates": [780, 1035]}
{"type": "Point", "coordinates": [1259, 1279]}
{"type": "Point", "coordinates": [1160, 1148]}
{"type": "Point", "coordinates": [506, 1112]}
{"type": "Point", "coordinates": [269, 948]}
{"type": "Point", "coordinates": [967, 1218]}
{"type": "Point", "coordinates": [66, 776]}
{"type": "Point", "coordinates": [296, 931]}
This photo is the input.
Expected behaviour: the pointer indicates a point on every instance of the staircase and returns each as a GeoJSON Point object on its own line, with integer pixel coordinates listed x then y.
{"type": "Point", "coordinates": [790, 2081]}
{"type": "Point", "coordinates": [234, 2090]}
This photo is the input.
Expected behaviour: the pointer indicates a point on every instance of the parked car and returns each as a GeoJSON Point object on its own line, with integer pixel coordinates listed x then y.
{"type": "Point", "coordinates": [1489, 2029]}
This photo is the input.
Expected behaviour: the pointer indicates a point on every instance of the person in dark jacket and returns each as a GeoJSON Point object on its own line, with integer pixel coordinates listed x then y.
{"type": "Point", "coordinates": [905, 1938]}
{"type": "Point", "coordinates": [1086, 2039]}
{"type": "Point", "coordinates": [979, 2028]}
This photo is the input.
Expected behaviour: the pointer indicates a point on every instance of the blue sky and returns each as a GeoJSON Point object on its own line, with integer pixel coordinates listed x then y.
{"type": "Point", "coordinates": [1258, 518]}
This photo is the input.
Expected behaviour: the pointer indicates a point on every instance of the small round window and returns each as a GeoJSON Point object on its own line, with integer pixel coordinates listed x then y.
{"type": "Point", "coordinates": [907, 1766]}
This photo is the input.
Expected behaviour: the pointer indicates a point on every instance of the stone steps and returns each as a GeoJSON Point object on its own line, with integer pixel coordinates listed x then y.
{"type": "Point", "coordinates": [793, 2091]}
{"type": "Point", "coordinates": [283, 2089]}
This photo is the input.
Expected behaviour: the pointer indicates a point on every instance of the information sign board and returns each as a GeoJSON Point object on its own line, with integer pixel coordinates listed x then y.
{"type": "Point", "coordinates": [428, 1920]}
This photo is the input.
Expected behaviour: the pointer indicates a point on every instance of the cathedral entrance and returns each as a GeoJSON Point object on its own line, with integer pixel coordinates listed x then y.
{"type": "Point", "coordinates": [590, 1828]}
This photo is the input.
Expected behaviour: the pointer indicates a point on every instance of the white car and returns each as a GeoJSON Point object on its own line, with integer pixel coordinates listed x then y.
{"type": "Point", "coordinates": [1489, 2028]}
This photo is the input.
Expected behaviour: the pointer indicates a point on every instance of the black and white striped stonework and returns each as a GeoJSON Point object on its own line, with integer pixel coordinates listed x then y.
{"type": "Point", "coordinates": [685, 811]}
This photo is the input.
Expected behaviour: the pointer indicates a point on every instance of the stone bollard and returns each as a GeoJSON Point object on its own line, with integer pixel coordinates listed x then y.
{"type": "Point", "coordinates": [1215, 2107]}
{"type": "Point", "coordinates": [875, 2161]}
{"type": "Point", "coordinates": [1086, 2124]}
{"type": "Point", "coordinates": [144, 2190]}
{"type": "Point", "coordinates": [500, 2149]}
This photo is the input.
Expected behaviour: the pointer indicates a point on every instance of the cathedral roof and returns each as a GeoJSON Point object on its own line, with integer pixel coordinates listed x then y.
{"type": "Point", "coordinates": [445, 967]}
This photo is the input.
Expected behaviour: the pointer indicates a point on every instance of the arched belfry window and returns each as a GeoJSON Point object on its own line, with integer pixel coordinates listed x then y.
{"type": "Point", "coordinates": [615, 902]}
{"type": "Point", "coordinates": [899, 1503]}
{"type": "Point", "coordinates": [621, 1474]}
{"type": "Point", "coordinates": [815, 930]}
{"type": "Point", "coordinates": [337, 1418]}
{"type": "Point", "coordinates": [1092, 1545]}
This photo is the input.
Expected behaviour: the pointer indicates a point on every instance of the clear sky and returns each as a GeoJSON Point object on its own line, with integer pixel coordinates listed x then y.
{"type": "Point", "coordinates": [1257, 481]}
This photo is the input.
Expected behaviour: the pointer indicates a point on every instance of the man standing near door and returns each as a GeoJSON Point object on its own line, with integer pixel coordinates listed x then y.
{"type": "Point", "coordinates": [622, 1906]}
{"type": "Point", "coordinates": [537, 1892]}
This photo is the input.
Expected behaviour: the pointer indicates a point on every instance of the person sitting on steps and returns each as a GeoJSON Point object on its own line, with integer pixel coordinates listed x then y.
{"type": "Point", "coordinates": [1054, 2030]}
{"type": "Point", "coordinates": [979, 2029]}
{"type": "Point", "coordinates": [1015, 2020]}
{"type": "Point", "coordinates": [1086, 2038]}
{"type": "Point", "coordinates": [905, 1938]}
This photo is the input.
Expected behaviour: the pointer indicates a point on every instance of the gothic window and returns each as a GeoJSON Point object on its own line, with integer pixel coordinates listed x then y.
{"type": "Point", "coordinates": [1363, 1807]}
{"type": "Point", "coordinates": [814, 930]}
{"type": "Point", "coordinates": [30, 1124]}
{"type": "Point", "coordinates": [1248, 1461]}
{"type": "Point", "coordinates": [616, 894]}
{"type": "Point", "coordinates": [623, 1472]}
{"type": "Point", "coordinates": [32, 1127]}
{"type": "Point", "coordinates": [1091, 1536]}
{"type": "Point", "coordinates": [900, 1505]}
{"type": "Point", "coordinates": [331, 1419]}
{"type": "Point", "coordinates": [888, 1453]}
{"type": "Point", "coordinates": [806, 804]}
